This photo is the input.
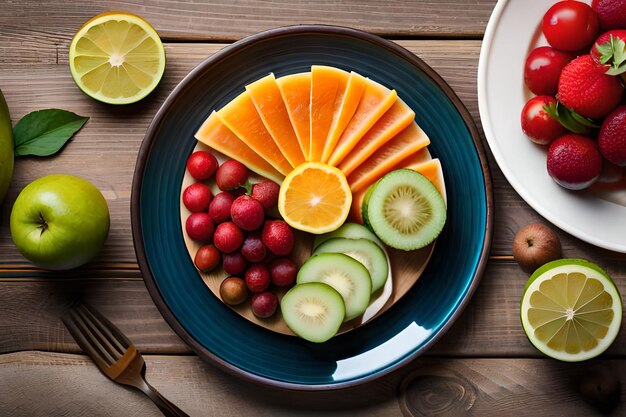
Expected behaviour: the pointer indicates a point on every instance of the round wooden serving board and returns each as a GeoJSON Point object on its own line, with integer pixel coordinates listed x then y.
{"type": "Point", "coordinates": [405, 269]}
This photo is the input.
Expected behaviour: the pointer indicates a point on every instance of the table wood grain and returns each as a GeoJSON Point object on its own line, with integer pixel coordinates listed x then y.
{"type": "Point", "coordinates": [483, 366]}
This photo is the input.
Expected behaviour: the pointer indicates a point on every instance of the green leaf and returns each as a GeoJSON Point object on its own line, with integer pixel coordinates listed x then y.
{"type": "Point", "coordinates": [44, 132]}
{"type": "Point", "coordinates": [585, 121]}
{"type": "Point", "coordinates": [569, 119]}
{"type": "Point", "coordinates": [248, 186]}
{"type": "Point", "coordinates": [606, 52]}
{"type": "Point", "coordinates": [619, 51]}
{"type": "Point", "coordinates": [613, 53]}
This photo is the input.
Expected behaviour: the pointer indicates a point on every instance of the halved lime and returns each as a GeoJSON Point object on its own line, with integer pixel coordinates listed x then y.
{"type": "Point", "coordinates": [571, 310]}
{"type": "Point", "coordinates": [117, 58]}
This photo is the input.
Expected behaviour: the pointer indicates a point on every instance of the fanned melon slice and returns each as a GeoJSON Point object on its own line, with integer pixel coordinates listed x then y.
{"type": "Point", "coordinates": [398, 117]}
{"type": "Point", "coordinates": [241, 117]}
{"type": "Point", "coordinates": [344, 110]}
{"type": "Point", "coordinates": [216, 135]}
{"type": "Point", "coordinates": [328, 85]}
{"type": "Point", "coordinates": [269, 104]}
{"type": "Point", "coordinates": [296, 92]}
{"type": "Point", "coordinates": [376, 100]}
{"type": "Point", "coordinates": [406, 143]}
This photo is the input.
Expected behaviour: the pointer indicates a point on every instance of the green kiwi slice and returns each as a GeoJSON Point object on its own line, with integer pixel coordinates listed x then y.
{"type": "Point", "coordinates": [364, 251]}
{"type": "Point", "coordinates": [404, 209]}
{"type": "Point", "coordinates": [349, 277]}
{"type": "Point", "coordinates": [314, 311]}
{"type": "Point", "coordinates": [348, 231]}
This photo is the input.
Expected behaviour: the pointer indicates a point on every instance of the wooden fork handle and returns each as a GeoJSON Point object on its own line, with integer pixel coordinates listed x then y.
{"type": "Point", "coordinates": [166, 407]}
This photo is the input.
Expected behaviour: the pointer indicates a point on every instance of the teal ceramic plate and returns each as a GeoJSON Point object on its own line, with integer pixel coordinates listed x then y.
{"type": "Point", "coordinates": [387, 342]}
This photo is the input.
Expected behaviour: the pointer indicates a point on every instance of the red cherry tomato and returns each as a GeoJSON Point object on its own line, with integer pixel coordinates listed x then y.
{"type": "Point", "coordinates": [538, 125]}
{"type": "Point", "coordinates": [570, 25]}
{"type": "Point", "coordinates": [207, 258]}
{"type": "Point", "coordinates": [543, 69]}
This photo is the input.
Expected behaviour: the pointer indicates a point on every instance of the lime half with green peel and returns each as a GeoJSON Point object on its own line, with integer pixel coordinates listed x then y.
{"type": "Point", "coordinates": [571, 310]}
{"type": "Point", "coordinates": [117, 58]}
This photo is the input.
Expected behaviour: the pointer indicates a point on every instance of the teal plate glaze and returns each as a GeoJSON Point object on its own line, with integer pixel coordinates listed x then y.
{"type": "Point", "coordinates": [386, 343]}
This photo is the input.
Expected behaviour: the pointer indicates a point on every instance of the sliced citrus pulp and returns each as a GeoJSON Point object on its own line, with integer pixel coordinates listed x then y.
{"type": "Point", "coordinates": [571, 310]}
{"type": "Point", "coordinates": [117, 58]}
{"type": "Point", "coordinates": [315, 198]}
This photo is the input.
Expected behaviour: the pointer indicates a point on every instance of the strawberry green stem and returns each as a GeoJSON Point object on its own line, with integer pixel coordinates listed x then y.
{"type": "Point", "coordinates": [613, 53]}
{"type": "Point", "coordinates": [569, 119]}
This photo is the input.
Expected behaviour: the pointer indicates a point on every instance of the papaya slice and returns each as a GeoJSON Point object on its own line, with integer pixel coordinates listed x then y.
{"type": "Point", "coordinates": [376, 100]}
{"type": "Point", "coordinates": [344, 110]}
{"type": "Point", "coordinates": [241, 117]}
{"type": "Point", "coordinates": [296, 92]}
{"type": "Point", "coordinates": [406, 143]}
{"type": "Point", "coordinates": [216, 135]}
{"type": "Point", "coordinates": [328, 85]}
{"type": "Point", "coordinates": [398, 117]}
{"type": "Point", "coordinates": [269, 104]}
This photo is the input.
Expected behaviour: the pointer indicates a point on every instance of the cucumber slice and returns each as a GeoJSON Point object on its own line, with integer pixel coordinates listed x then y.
{"type": "Point", "coordinates": [314, 311]}
{"type": "Point", "coordinates": [365, 251]}
{"type": "Point", "coordinates": [348, 231]}
{"type": "Point", "coordinates": [404, 209]}
{"type": "Point", "coordinates": [348, 276]}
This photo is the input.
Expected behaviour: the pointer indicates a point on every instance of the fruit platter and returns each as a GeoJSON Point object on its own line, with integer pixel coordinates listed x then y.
{"type": "Point", "coordinates": [559, 136]}
{"type": "Point", "coordinates": [319, 177]}
{"type": "Point", "coordinates": [231, 225]}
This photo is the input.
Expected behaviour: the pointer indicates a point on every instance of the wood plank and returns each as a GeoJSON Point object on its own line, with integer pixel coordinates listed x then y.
{"type": "Point", "coordinates": [72, 385]}
{"type": "Point", "coordinates": [31, 309]}
{"type": "Point", "coordinates": [32, 31]}
{"type": "Point", "coordinates": [31, 314]}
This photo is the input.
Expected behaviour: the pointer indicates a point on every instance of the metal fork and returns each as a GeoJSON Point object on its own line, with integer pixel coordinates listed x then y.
{"type": "Point", "coordinates": [114, 354]}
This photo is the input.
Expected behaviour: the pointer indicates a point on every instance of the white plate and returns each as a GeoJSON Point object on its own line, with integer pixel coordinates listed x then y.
{"type": "Point", "coordinates": [514, 29]}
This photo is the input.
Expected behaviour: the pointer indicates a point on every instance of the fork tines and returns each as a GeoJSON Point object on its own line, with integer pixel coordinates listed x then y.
{"type": "Point", "coordinates": [96, 335]}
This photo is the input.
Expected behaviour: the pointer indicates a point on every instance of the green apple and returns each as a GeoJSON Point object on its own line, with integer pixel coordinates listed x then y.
{"type": "Point", "coordinates": [60, 222]}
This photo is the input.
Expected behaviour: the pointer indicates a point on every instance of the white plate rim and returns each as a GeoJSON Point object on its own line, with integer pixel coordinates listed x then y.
{"type": "Point", "coordinates": [511, 176]}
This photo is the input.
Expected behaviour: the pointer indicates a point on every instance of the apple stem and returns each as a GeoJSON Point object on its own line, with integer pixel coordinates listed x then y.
{"type": "Point", "coordinates": [42, 223]}
{"type": "Point", "coordinates": [529, 242]}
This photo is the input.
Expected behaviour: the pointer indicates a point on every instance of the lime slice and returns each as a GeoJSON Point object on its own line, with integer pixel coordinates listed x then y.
{"type": "Point", "coordinates": [117, 58]}
{"type": "Point", "coordinates": [571, 310]}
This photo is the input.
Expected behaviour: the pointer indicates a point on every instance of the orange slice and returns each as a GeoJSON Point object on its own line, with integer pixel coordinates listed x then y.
{"type": "Point", "coordinates": [269, 104]}
{"type": "Point", "coordinates": [296, 92]}
{"type": "Point", "coordinates": [315, 198]}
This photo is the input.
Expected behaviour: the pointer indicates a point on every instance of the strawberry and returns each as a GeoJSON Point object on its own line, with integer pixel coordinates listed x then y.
{"type": "Point", "coordinates": [611, 13]}
{"type": "Point", "coordinates": [585, 88]}
{"type": "Point", "coordinates": [612, 137]}
{"type": "Point", "coordinates": [610, 49]}
{"type": "Point", "coordinates": [574, 161]}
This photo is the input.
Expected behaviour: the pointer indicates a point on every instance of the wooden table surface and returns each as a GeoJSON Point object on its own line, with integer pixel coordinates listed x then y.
{"type": "Point", "coordinates": [483, 366]}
